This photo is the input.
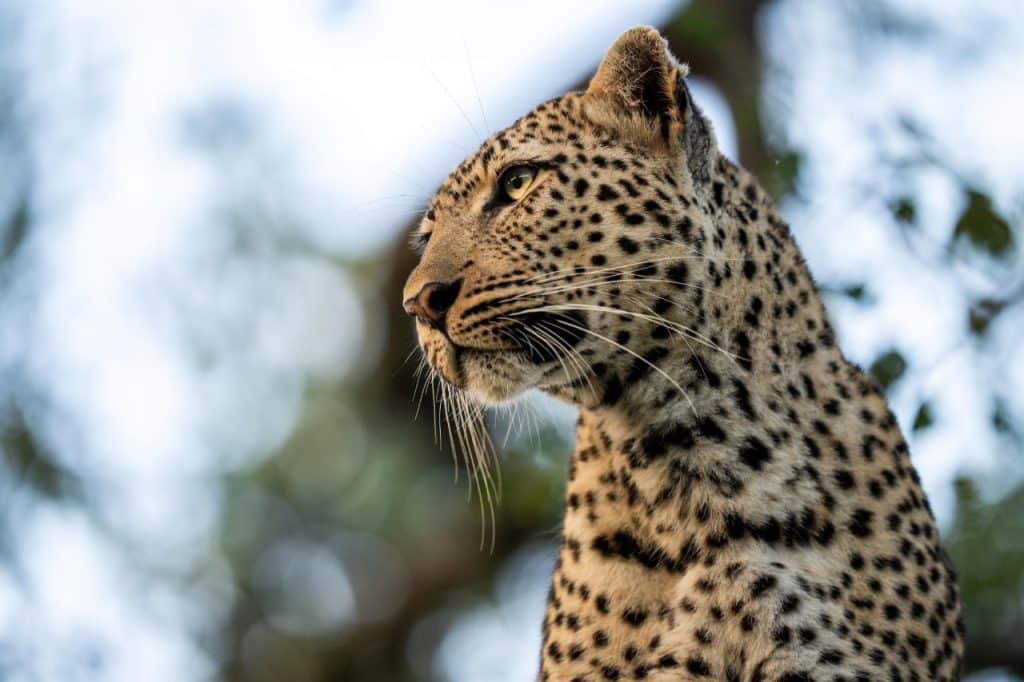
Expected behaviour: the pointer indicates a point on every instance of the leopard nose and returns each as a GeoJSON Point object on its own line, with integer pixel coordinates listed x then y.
{"type": "Point", "coordinates": [432, 302]}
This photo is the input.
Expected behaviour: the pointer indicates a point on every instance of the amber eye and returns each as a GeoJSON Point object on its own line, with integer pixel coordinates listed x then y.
{"type": "Point", "coordinates": [515, 181]}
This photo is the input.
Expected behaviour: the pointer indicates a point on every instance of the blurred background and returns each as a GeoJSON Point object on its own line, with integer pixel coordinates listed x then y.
{"type": "Point", "coordinates": [211, 463]}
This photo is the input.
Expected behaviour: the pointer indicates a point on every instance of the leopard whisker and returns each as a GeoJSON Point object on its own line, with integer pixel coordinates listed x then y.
{"type": "Point", "coordinates": [685, 340]}
{"type": "Point", "coordinates": [547, 342]}
{"type": "Point", "coordinates": [582, 370]}
{"type": "Point", "coordinates": [581, 270]}
{"type": "Point", "coordinates": [576, 286]}
{"type": "Point", "coordinates": [475, 447]}
{"type": "Point", "coordinates": [732, 357]}
{"type": "Point", "coordinates": [573, 356]}
{"type": "Point", "coordinates": [633, 353]}
{"type": "Point", "coordinates": [655, 319]}
{"type": "Point", "coordinates": [420, 387]}
{"type": "Point", "coordinates": [691, 254]}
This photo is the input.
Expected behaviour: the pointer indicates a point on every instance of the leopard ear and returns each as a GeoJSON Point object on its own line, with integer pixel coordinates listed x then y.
{"type": "Point", "coordinates": [637, 77]}
{"type": "Point", "coordinates": [640, 90]}
{"type": "Point", "coordinates": [696, 136]}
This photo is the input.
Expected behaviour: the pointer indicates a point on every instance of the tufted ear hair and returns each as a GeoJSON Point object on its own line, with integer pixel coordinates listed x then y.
{"type": "Point", "coordinates": [640, 90]}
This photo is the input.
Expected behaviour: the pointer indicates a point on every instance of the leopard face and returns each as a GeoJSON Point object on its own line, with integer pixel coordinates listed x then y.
{"type": "Point", "coordinates": [544, 252]}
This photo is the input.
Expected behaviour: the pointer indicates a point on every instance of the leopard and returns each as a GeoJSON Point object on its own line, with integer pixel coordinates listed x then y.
{"type": "Point", "coordinates": [740, 501]}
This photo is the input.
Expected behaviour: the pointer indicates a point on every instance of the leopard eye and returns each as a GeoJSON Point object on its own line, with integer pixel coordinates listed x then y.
{"type": "Point", "coordinates": [515, 181]}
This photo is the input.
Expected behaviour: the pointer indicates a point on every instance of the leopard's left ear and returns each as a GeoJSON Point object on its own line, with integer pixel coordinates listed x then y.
{"type": "Point", "coordinates": [640, 90]}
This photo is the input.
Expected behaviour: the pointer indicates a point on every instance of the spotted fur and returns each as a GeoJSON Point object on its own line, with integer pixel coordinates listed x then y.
{"type": "Point", "coordinates": [741, 504]}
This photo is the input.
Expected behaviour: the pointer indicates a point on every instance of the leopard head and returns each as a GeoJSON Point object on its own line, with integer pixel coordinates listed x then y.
{"type": "Point", "coordinates": [553, 256]}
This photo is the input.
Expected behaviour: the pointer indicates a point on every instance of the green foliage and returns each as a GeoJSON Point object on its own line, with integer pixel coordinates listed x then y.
{"type": "Point", "coordinates": [702, 29]}
{"type": "Point", "coordinates": [1004, 424]}
{"type": "Point", "coordinates": [981, 313]}
{"type": "Point", "coordinates": [783, 176]}
{"type": "Point", "coordinates": [14, 231]}
{"type": "Point", "coordinates": [888, 368]}
{"type": "Point", "coordinates": [904, 210]}
{"type": "Point", "coordinates": [30, 462]}
{"type": "Point", "coordinates": [986, 547]}
{"type": "Point", "coordinates": [858, 292]}
{"type": "Point", "coordinates": [923, 419]}
{"type": "Point", "coordinates": [983, 227]}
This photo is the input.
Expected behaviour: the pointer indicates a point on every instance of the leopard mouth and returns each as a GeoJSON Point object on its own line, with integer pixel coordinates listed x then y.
{"type": "Point", "coordinates": [495, 375]}
{"type": "Point", "coordinates": [451, 363]}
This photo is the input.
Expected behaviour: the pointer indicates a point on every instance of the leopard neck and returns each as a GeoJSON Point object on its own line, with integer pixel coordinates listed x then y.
{"type": "Point", "coordinates": [707, 433]}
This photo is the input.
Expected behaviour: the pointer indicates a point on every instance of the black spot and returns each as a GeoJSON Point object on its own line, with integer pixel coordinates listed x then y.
{"type": "Point", "coordinates": [626, 546]}
{"type": "Point", "coordinates": [770, 531]}
{"type": "Point", "coordinates": [718, 189]}
{"type": "Point", "coordinates": [825, 533]}
{"type": "Point", "coordinates": [698, 666]}
{"type": "Point", "coordinates": [844, 479]}
{"type": "Point", "coordinates": [860, 523]}
{"type": "Point", "coordinates": [762, 585]}
{"type": "Point", "coordinates": [685, 228]}
{"type": "Point", "coordinates": [657, 442]}
{"type": "Point", "coordinates": [668, 661]}
{"type": "Point", "coordinates": [735, 525]}
{"type": "Point", "coordinates": [743, 350]}
{"type": "Point", "coordinates": [634, 617]}
{"type": "Point", "coordinates": [648, 270]}
{"type": "Point", "coordinates": [754, 453]}
{"type": "Point", "coordinates": [741, 396]}
{"type": "Point", "coordinates": [612, 391]}
{"type": "Point", "coordinates": [628, 245]}
{"type": "Point", "coordinates": [709, 428]}
{"type": "Point", "coordinates": [677, 273]}
{"type": "Point", "coordinates": [640, 366]}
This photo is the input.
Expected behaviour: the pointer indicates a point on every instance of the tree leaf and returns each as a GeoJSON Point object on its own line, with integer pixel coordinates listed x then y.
{"type": "Point", "coordinates": [981, 314]}
{"type": "Point", "coordinates": [14, 231]}
{"type": "Point", "coordinates": [904, 210]}
{"type": "Point", "coordinates": [923, 419]}
{"type": "Point", "coordinates": [983, 227]}
{"type": "Point", "coordinates": [888, 368]}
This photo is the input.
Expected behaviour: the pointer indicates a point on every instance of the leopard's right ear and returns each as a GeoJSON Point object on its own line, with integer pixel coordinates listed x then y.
{"type": "Point", "coordinates": [640, 91]}
{"type": "Point", "coordinates": [636, 78]}
{"type": "Point", "coordinates": [696, 138]}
